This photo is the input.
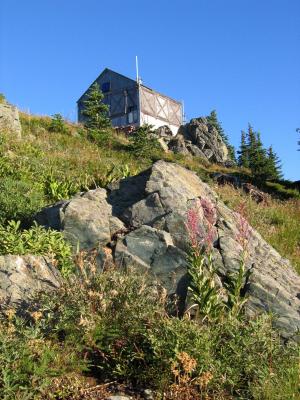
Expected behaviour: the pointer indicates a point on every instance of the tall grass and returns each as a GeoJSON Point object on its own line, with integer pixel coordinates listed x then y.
{"type": "Point", "coordinates": [277, 221]}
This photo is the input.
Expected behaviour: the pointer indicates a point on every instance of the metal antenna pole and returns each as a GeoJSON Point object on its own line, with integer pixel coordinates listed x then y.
{"type": "Point", "coordinates": [183, 112]}
{"type": "Point", "coordinates": [137, 70]}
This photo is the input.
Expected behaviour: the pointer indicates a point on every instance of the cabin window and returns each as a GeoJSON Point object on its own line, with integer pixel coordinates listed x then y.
{"type": "Point", "coordinates": [130, 117]}
{"type": "Point", "coordinates": [132, 114]}
{"type": "Point", "coordinates": [105, 87]}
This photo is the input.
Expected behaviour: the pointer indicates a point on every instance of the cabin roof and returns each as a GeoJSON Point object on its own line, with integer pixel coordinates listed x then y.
{"type": "Point", "coordinates": [126, 77]}
{"type": "Point", "coordinates": [105, 70]}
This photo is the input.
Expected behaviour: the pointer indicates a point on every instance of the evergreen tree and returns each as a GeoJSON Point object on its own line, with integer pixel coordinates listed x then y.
{"type": "Point", "coordinates": [274, 165]}
{"type": "Point", "coordinates": [94, 110]}
{"type": "Point", "coordinates": [264, 164]}
{"type": "Point", "coordinates": [58, 124]}
{"type": "Point", "coordinates": [243, 156]}
{"type": "Point", "coordinates": [213, 121]}
{"type": "Point", "coordinates": [251, 146]}
{"type": "Point", "coordinates": [231, 152]}
{"type": "Point", "coordinates": [258, 164]}
{"type": "Point", "coordinates": [143, 143]}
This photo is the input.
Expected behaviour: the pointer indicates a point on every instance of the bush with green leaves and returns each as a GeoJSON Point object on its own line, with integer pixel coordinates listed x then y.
{"type": "Point", "coordinates": [56, 189]}
{"type": "Point", "coordinates": [99, 136]}
{"type": "Point", "coordinates": [118, 322]}
{"type": "Point", "coordinates": [19, 199]}
{"type": "Point", "coordinates": [115, 173]}
{"type": "Point", "coordinates": [142, 344]}
{"type": "Point", "coordinates": [95, 111]}
{"type": "Point", "coordinates": [36, 240]}
{"type": "Point", "coordinates": [58, 124]}
{"type": "Point", "coordinates": [263, 163]}
{"type": "Point", "coordinates": [143, 143]}
{"type": "Point", "coordinates": [31, 367]}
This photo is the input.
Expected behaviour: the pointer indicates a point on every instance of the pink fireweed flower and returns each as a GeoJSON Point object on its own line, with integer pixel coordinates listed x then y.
{"type": "Point", "coordinates": [193, 224]}
{"type": "Point", "coordinates": [244, 229]}
{"type": "Point", "coordinates": [200, 224]}
{"type": "Point", "coordinates": [209, 210]}
{"type": "Point", "coordinates": [209, 237]}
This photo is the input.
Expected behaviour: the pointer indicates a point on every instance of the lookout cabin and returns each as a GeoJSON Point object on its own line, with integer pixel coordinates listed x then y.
{"type": "Point", "coordinates": [133, 104]}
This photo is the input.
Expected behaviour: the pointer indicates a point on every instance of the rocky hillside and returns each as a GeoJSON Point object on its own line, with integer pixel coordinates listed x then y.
{"type": "Point", "coordinates": [112, 237]}
{"type": "Point", "coordinates": [142, 220]}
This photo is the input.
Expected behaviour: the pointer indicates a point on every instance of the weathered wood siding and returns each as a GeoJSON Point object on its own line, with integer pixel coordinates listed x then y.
{"type": "Point", "coordinates": [158, 110]}
{"type": "Point", "coordinates": [122, 98]}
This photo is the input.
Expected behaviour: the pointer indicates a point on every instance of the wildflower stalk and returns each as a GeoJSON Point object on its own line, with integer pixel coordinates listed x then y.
{"type": "Point", "coordinates": [204, 293]}
{"type": "Point", "coordinates": [206, 296]}
{"type": "Point", "coordinates": [234, 287]}
{"type": "Point", "coordinates": [236, 281]}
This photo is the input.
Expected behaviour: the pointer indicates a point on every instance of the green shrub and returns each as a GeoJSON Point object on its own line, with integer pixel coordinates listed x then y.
{"type": "Point", "coordinates": [282, 191]}
{"type": "Point", "coordinates": [58, 124]}
{"type": "Point", "coordinates": [6, 167]}
{"type": "Point", "coordinates": [99, 136]}
{"type": "Point", "coordinates": [56, 190]}
{"type": "Point", "coordinates": [36, 240]}
{"type": "Point", "coordinates": [141, 343]}
{"type": "Point", "coordinates": [2, 98]}
{"type": "Point", "coordinates": [31, 368]}
{"type": "Point", "coordinates": [142, 142]}
{"type": "Point", "coordinates": [119, 320]}
{"type": "Point", "coordinates": [115, 173]}
{"type": "Point", "coordinates": [95, 111]}
{"type": "Point", "coordinates": [19, 200]}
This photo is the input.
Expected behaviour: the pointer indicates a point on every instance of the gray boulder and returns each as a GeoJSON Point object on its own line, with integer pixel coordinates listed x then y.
{"type": "Point", "coordinates": [86, 220]}
{"type": "Point", "coordinates": [153, 250]}
{"type": "Point", "coordinates": [163, 132]}
{"type": "Point", "coordinates": [226, 179]}
{"type": "Point", "coordinates": [9, 120]}
{"type": "Point", "coordinates": [178, 145]}
{"type": "Point", "coordinates": [22, 276]}
{"type": "Point", "coordinates": [200, 139]}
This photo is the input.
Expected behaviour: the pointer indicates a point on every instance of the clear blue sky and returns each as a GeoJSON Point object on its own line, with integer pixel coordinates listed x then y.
{"type": "Point", "coordinates": [240, 57]}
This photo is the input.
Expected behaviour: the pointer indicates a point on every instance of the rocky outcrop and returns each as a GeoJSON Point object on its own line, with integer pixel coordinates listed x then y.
{"type": "Point", "coordinates": [200, 139]}
{"type": "Point", "coordinates": [9, 120]}
{"type": "Point", "coordinates": [149, 214]}
{"type": "Point", "coordinates": [22, 276]}
{"type": "Point", "coordinates": [166, 196]}
{"type": "Point", "coordinates": [257, 195]}
{"type": "Point", "coordinates": [227, 179]}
